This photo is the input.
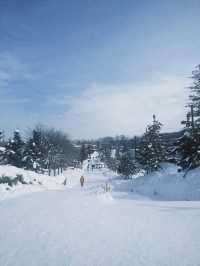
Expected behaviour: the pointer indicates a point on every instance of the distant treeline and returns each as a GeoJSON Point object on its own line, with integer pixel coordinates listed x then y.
{"type": "Point", "coordinates": [43, 149]}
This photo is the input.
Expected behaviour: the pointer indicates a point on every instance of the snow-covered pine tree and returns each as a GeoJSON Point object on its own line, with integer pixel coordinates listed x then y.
{"type": "Point", "coordinates": [151, 151]}
{"type": "Point", "coordinates": [188, 149]}
{"type": "Point", "coordinates": [117, 153]}
{"type": "Point", "coordinates": [194, 97]}
{"type": "Point", "coordinates": [14, 150]}
{"type": "Point", "coordinates": [1, 136]}
{"type": "Point", "coordinates": [2, 147]}
{"type": "Point", "coordinates": [127, 166]}
{"type": "Point", "coordinates": [89, 150]}
{"type": "Point", "coordinates": [188, 146]}
{"type": "Point", "coordinates": [83, 153]}
{"type": "Point", "coordinates": [36, 152]}
{"type": "Point", "coordinates": [31, 152]}
{"type": "Point", "coordinates": [111, 162]}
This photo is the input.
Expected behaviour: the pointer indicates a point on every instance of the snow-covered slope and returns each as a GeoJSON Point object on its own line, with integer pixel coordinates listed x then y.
{"type": "Point", "coordinates": [86, 227]}
{"type": "Point", "coordinates": [166, 184]}
{"type": "Point", "coordinates": [35, 182]}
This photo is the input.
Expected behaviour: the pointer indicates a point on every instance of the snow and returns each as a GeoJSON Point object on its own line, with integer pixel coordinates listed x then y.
{"type": "Point", "coordinates": [113, 153]}
{"type": "Point", "coordinates": [95, 155]}
{"type": "Point", "coordinates": [35, 182]}
{"type": "Point", "coordinates": [2, 149]}
{"type": "Point", "coordinates": [85, 226]}
{"type": "Point", "coordinates": [166, 184]}
{"type": "Point", "coordinates": [94, 159]}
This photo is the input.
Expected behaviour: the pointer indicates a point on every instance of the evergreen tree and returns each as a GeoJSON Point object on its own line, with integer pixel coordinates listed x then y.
{"type": "Point", "coordinates": [109, 160]}
{"type": "Point", "coordinates": [194, 97]}
{"type": "Point", "coordinates": [117, 153]}
{"type": "Point", "coordinates": [188, 149]}
{"type": "Point", "coordinates": [151, 150]}
{"type": "Point", "coordinates": [14, 150]}
{"type": "Point", "coordinates": [83, 153]}
{"type": "Point", "coordinates": [1, 136]}
{"type": "Point", "coordinates": [188, 146]}
{"type": "Point", "coordinates": [2, 148]}
{"type": "Point", "coordinates": [89, 150]}
{"type": "Point", "coordinates": [48, 148]}
{"type": "Point", "coordinates": [36, 152]}
{"type": "Point", "coordinates": [127, 167]}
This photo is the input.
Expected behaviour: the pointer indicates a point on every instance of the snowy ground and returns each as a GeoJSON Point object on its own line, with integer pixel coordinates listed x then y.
{"type": "Point", "coordinates": [35, 182]}
{"type": "Point", "coordinates": [166, 184]}
{"type": "Point", "coordinates": [85, 227]}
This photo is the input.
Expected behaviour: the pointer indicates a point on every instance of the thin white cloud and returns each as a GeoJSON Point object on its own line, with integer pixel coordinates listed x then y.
{"type": "Point", "coordinates": [13, 100]}
{"type": "Point", "coordinates": [127, 109]}
{"type": "Point", "coordinates": [12, 69]}
{"type": "Point", "coordinates": [58, 100]}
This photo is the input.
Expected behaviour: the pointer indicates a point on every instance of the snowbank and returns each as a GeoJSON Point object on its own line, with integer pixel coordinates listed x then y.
{"type": "Point", "coordinates": [35, 182]}
{"type": "Point", "coordinates": [84, 226]}
{"type": "Point", "coordinates": [166, 184]}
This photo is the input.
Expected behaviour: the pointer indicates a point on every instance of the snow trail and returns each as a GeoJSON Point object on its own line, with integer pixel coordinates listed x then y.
{"type": "Point", "coordinates": [86, 227]}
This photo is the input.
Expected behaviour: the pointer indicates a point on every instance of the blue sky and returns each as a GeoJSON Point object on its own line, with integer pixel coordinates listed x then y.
{"type": "Point", "coordinates": [95, 68]}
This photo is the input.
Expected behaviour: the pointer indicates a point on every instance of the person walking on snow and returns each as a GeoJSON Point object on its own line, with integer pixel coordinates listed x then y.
{"type": "Point", "coordinates": [82, 180]}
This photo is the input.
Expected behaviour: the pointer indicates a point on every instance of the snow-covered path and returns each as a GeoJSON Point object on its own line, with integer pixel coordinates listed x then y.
{"type": "Point", "coordinates": [80, 227]}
